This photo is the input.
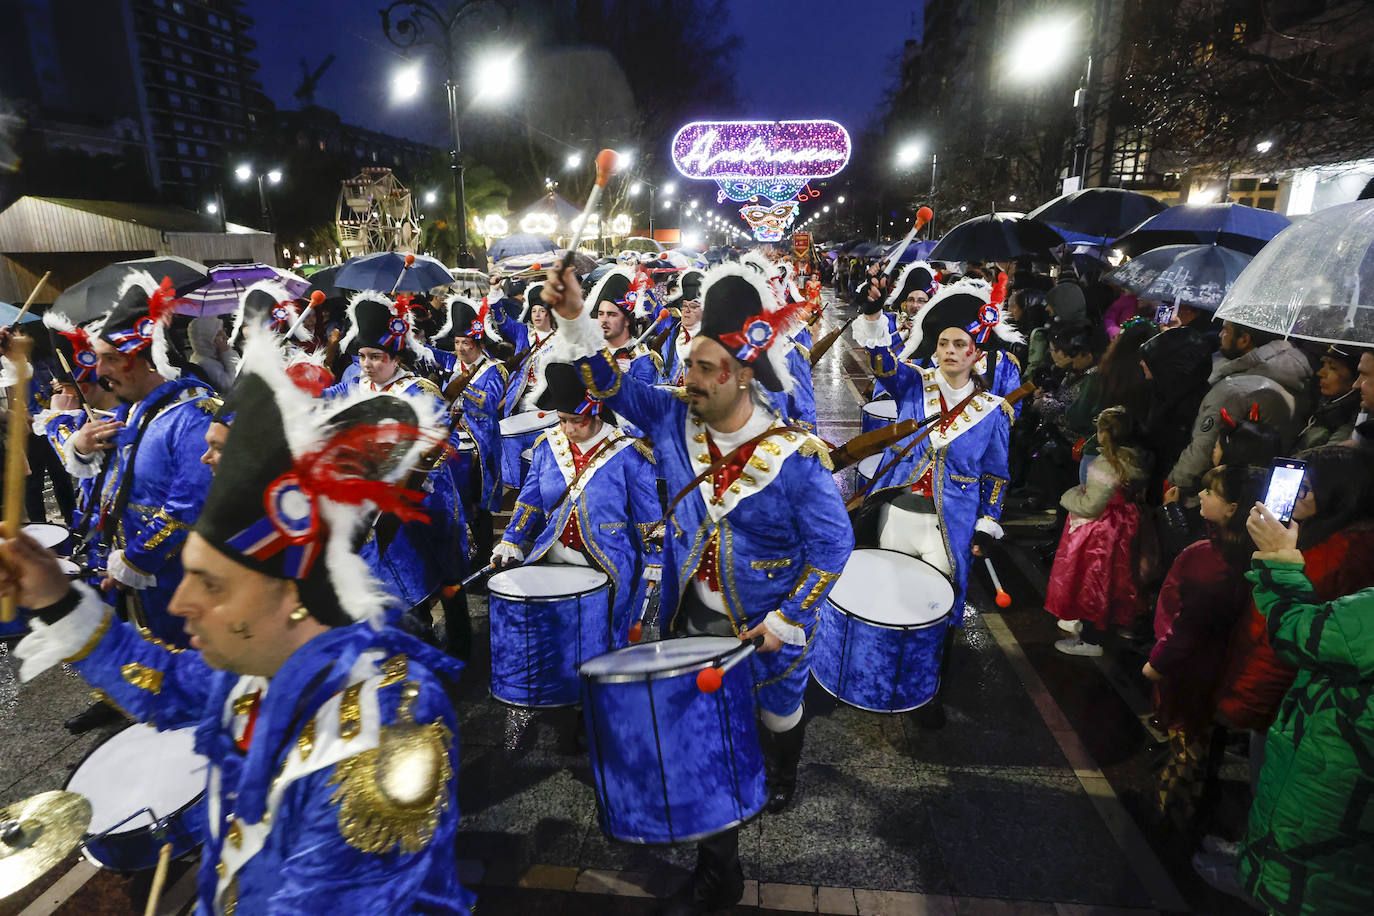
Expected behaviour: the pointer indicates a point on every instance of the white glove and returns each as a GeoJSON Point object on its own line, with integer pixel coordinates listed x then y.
{"type": "Point", "coordinates": [653, 573]}
{"type": "Point", "coordinates": [506, 555]}
{"type": "Point", "coordinates": [121, 571]}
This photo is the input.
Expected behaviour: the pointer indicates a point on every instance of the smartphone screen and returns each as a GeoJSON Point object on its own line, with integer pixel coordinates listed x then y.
{"type": "Point", "coordinates": [1164, 314]}
{"type": "Point", "coordinates": [1285, 479]}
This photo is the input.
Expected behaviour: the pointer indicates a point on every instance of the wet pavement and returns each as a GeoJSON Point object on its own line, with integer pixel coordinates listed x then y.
{"type": "Point", "coordinates": [1033, 798]}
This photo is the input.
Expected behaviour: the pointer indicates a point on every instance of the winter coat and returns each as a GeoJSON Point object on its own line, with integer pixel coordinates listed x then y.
{"type": "Point", "coordinates": [1179, 361]}
{"type": "Point", "coordinates": [1123, 309]}
{"type": "Point", "coordinates": [1198, 604]}
{"type": "Point", "coordinates": [1095, 577]}
{"type": "Point", "coordinates": [1307, 848]}
{"type": "Point", "coordinates": [1277, 376]}
{"type": "Point", "coordinates": [1332, 423]}
{"type": "Point", "coordinates": [1255, 677]}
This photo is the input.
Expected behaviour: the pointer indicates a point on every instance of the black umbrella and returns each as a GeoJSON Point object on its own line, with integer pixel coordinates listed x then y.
{"type": "Point", "coordinates": [95, 295]}
{"type": "Point", "coordinates": [323, 280]}
{"type": "Point", "coordinates": [1101, 213]}
{"type": "Point", "coordinates": [996, 237]}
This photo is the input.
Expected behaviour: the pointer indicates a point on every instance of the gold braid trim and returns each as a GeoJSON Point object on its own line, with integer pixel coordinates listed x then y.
{"type": "Point", "coordinates": [394, 670]}
{"type": "Point", "coordinates": [644, 449]}
{"type": "Point", "coordinates": [350, 713]}
{"type": "Point", "coordinates": [771, 564]}
{"type": "Point", "coordinates": [875, 362]}
{"type": "Point", "coordinates": [823, 580]}
{"type": "Point", "coordinates": [170, 526]}
{"type": "Point", "coordinates": [143, 677]}
{"type": "Point", "coordinates": [96, 636]}
{"type": "Point", "coordinates": [815, 448]}
{"type": "Point", "coordinates": [789, 620]}
{"type": "Point", "coordinates": [305, 741]}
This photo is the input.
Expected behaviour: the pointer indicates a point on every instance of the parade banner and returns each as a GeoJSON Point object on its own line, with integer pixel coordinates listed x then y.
{"type": "Point", "coordinates": [801, 244]}
{"type": "Point", "coordinates": [773, 159]}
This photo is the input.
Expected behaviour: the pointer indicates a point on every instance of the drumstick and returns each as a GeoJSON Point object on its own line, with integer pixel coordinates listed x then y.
{"type": "Point", "coordinates": [61, 357]}
{"type": "Point", "coordinates": [710, 679]}
{"type": "Point", "coordinates": [605, 162]}
{"type": "Point", "coordinates": [1003, 599]}
{"type": "Point", "coordinates": [316, 298]}
{"type": "Point", "coordinates": [164, 858]}
{"type": "Point", "coordinates": [662, 314]}
{"type": "Point", "coordinates": [16, 444]}
{"type": "Point", "coordinates": [452, 590]}
{"type": "Point", "coordinates": [410, 259]}
{"type": "Point", "coordinates": [923, 216]}
{"type": "Point", "coordinates": [29, 301]}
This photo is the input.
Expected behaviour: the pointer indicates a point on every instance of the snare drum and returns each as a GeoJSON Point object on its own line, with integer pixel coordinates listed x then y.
{"type": "Point", "coordinates": [526, 459]}
{"type": "Point", "coordinates": [546, 620]}
{"type": "Point", "coordinates": [865, 470]}
{"type": "Point", "coordinates": [671, 764]}
{"type": "Point", "coordinates": [146, 788]}
{"type": "Point", "coordinates": [54, 537]}
{"type": "Point", "coordinates": [877, 414]}
{"type": "Point", "coordinates": [881, 632]}
{"type": "Point", "coordinates": [518, 432]}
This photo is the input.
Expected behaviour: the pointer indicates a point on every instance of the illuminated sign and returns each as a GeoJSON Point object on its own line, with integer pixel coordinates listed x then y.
{"type": "Point", "coordinates": [539, 224]}
{"type": "Point", "coordinates": [494, 227]}
{"type": "Point", "coordinates": [773, 159]}
{"type": "Point", "coordinates": [772, 220]}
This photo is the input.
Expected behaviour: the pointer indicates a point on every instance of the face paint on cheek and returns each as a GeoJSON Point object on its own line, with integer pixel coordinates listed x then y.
{"type": "Point", "coordinates": [724, 375]}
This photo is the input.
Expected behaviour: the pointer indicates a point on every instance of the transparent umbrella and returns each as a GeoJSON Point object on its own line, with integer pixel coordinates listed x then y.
{"type": "Point", "coordinates": [1314, 280]}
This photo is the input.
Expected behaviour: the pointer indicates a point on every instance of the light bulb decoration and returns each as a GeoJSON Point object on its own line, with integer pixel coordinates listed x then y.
{"type": "Point", "coordinates": [773, 159]}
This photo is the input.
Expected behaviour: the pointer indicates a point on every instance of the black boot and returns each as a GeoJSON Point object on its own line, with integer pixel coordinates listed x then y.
{"type": "Point", "coordinates": [717, 883]}
{"type": "Point", "coordinates": [457, 625]}
{"type": "Point", "coordinates": [781, 755]}
{"type": "Point", "coordinates": [96, 715]}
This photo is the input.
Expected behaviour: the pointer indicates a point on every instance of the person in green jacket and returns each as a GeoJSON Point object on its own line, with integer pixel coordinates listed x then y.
{"type": "Point", "coordinates": [1309, 846]}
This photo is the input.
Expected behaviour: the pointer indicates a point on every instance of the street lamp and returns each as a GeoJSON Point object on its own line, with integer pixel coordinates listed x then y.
{"type": "Point", "coordinates": [1041, 46]}
{"type": "Point", "coordinates": [246, 172]}
{"type": "Point", "coordinates": [418, 22]}
{"type": "Point", "coordinates": [907, 154]}
{"type": "Point", "coordinates": [574, 160]}
{"type": "Point", "coordinates": [1264, 146]}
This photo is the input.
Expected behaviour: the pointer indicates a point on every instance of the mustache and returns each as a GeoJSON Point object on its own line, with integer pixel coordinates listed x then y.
{"type": "Point", "coordinates": [697, 391]}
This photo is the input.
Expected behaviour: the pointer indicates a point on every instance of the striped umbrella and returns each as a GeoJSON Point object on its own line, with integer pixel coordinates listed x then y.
{"type": "Point", "coordinates": [228, 282]}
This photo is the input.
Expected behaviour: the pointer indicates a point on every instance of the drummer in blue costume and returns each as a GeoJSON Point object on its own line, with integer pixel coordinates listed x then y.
{"type": "Point", "coordinates": [915, 286]}
{"type": "Point", "coordinates": [942, 501]}
{"type": "Point", "coordinates": [797, 404]}
{"type": "Point", "coordinates": [475, 384]}
{"type": "Point", "coordinates": [752, 548]}
{"type": "Point", "coordinates": [333, 759]}
{"type": "Point", "coordinates": [615, 310]}
{"type": "Point", "coordinates": [416, 559]}
{"type": "Point", "coordinates": [535, 341]}
{"type": "Point", "coordinates": [155, 485]}
{"type": "Point", "coordinates": [588, 499]}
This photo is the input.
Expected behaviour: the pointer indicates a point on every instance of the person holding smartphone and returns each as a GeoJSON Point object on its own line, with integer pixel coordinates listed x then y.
{"type": "Point", "coordinates": [1306, 847]}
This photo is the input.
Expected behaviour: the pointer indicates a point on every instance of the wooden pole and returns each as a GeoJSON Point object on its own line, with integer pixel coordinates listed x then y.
{"type": "Point", "coordinates": [164, 858]}
{"type": "Point", "coordinates": [29, 301]}
{"type": "Point", "coordinates": [16, 445]}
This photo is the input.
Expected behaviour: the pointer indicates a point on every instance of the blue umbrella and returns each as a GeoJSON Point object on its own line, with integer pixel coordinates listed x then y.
{"type": "Point", "coordinates": [996, 237]}
{"type": "Point", "coordinates": [1195, 275]}
{"type": "Point", "coordinates": [1097, 213]}
{"type": "Point", "coordinates": [518, 244]}
{"type": "Point", "coordinates": [10, 312]}
{"type": "Point", "coordinates": [1231, 225]}
{"type": "Point", "coordinates": [386, 270]}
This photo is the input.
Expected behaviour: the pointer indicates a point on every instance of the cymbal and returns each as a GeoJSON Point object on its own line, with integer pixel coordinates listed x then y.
{"type": "Point", "coordinates": [36, 834]}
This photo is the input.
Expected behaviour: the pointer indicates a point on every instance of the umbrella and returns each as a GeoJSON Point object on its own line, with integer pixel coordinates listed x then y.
{"type": "Point", "coordinates": [228, 282]}
{"type": "Point", "coordinates": [10, 312]}
{"type": "Point", "coordinates": [996, 237]}
{"type": "Point", "coordinates": [1231, 225]}
{"type": "Point", "coordinates": [582, 262]}
{"type": "Point", "coordinates": [471, 282]}
{"type": "Point", "coordinates": [641, 243]}
{"type": "Point", "coordinates": [382, 271]}
{"type": "Point", "coordinates": [520, 243]}
{"type": "Point", "coordinates": [916, 251]}
{"type": "Point", "coordinates": [868, 249]}
{"type": "Point", "coordinates": [1098, 213]}
{"type": "Point", "coordinates": [1195, 275]}
{"type": "Point", "coordinates": [95, 295]}
{"type": "Point", "coordinates": [323, 280]}
{"type": "Point", "coordinates": [1315, 280]}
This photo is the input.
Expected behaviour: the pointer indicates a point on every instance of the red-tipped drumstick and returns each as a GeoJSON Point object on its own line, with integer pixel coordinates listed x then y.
{"type": "Point", "coordinates": [923, 216]}
{"type": "Point", "coordinates": [1002, 599]}
{"type": "Point", "coordinates": [410, 262]}
{"type": "Point", "coordinates": [605, 164]}
{"type": "Point", "coordinates": [709, 679]}
{"type": "Point", "coordinates": [662, 314]}
{"type": "Point", "coordinates": [316, 298]}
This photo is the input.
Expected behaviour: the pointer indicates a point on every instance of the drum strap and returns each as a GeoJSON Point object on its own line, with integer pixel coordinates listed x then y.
{"type": "Point", "coordinates": [920, 437]}
{"type": "Point", "coordinates": [721, 462]}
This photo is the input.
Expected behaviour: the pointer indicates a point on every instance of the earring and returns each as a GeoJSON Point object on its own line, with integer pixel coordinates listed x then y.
{"type": "Point", "coordinates": [743, 387]}
{"type": "Point", "coordinates": [298, 614]}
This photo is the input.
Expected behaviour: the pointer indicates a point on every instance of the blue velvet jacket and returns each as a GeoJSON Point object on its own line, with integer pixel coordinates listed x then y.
{"type": "Point", "coordinates": [615, 504]}
{"type": "Point", "coordinates": [527, 373]}
{"type": "Point", "coordinates": [422, 556]}
{"type": "Point", "coordinates": [481, 420]}
{"type": "Point", "coordinates": [797, 406]}
{"type": "Point", "coordinates": [781, 531]}
{"type": "Point", "coordinates": [165, 499]}
{"type": "Point", "coordinates": [301, 821]}
{"type": "Point", "coordinates": [968, 462]}
{"type": "Point", "coordinates": [59, 427]}
{"type": "Point", "coordinates": [505, 314]}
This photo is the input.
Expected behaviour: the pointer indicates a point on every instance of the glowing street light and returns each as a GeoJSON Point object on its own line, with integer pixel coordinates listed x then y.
{"type": "Point", "coordinates": [243, 172]}
{"type": "Point", "coordinates": [670, 188]}
{"type": "Point", "coordinates": [1041, 47]}
{"type": "Point", "coordinates": [274, 176]}
{"type": "Point", "coordinates": [1264, 146]}
{"type": "Point", "coordinates": [405, 84]}
{"type": "Point", "coordinates": [907, 154]}
{"type": "Point", "coordinates": [494, 75]}
{"type": "Point", "coordinates": [1012, 199]}
{"type": "Point", "coordinates": [246, 172]}
{"type": "Point", "coordinates": [573, 161]}
{"type": "Point", "coordinates": [212, 208]}
{"type": "Point", "coordinates": [431, 197]}
{"type": "Point", "coordinates": [840, 199]}
{"type": "Point", "coordinates": [635, 188]}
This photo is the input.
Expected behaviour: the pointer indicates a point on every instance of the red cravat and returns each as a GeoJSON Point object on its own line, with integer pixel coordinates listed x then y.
{"type": "Point", "coordinates": [572, 532]}
{"type": "Point", "coordinates": [926, 485]}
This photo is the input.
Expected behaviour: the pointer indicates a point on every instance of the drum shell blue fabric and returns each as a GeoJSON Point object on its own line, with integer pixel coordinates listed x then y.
{"type": "Point", "coordinates": [671, 764]}
{"type": "Point", "coordinates": [513, 470]}
{"type": "Point", "coordinates": [877, 667]}
{"type": "Point", "coordinates": [135, 850]}
{"type": "Point", "coordinates": [868, 422]}
{"type": "Point", "coordinates": [537, 645]}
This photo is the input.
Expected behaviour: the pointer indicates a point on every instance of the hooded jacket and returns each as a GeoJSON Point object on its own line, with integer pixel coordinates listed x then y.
{"type": "Point", "coordinates": [1276, 376]}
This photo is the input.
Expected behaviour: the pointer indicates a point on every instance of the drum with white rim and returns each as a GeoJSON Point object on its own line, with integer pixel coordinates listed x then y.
{"type": "Point", "coordinates": [53, 537]}
{"type": "Point", "coordinates": [673, 761]}
{"type": "Point", "coordinates": [865, 470]}
{"type": "Point", "coordinates": [546, 620]}
{"type": "Point", "coordinates": [145, 788]}
{"type": "Point", "coordinates": [877, 414]}
{"type": "Point", "coordinates": [526, 459]}
{"type": "Point", "coordinates": [519, 432]}
{"type": "Point", "coordinates": [881, 632]}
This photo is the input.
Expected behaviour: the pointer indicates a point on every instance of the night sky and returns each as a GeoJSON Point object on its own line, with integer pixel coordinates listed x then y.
{"type": "Point", "coordinates": [800, 58]}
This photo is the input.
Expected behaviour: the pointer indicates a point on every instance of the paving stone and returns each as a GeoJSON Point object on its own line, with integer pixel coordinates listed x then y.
{"type": "Point", "coordinates": [602, 881]}
{"type": "Point", "coordinates": [836, 900]}
{"type": "Point", "coordinates": [800, 898]}
{"type": "Point", "coordinates": [901, 903]}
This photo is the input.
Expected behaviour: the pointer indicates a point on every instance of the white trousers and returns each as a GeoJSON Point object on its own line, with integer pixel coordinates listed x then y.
{"type": "Point", "coordinates": [915, 534]}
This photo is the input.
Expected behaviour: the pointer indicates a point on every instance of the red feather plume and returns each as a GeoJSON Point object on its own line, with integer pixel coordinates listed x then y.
{"type": "Point", "coordinates": [348, 468]}
{"type": "Point", "coordinates": [79, 338]}
{"type": "Point", "coordinates": [999, 291]}
{"type": "Point", "coordinates": [162, 302]}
